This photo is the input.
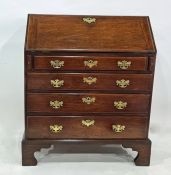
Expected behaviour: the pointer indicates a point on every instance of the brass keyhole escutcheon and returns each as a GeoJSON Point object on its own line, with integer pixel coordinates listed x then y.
{"type": "Point", "coordinates": [88, 122]}
{"type": "Point", "coordinates": [88, 100]}
{"type": "Point", "coordinates": [89, 20]}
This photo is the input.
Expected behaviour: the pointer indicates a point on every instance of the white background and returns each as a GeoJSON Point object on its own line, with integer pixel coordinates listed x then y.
{"type": "Point", "coordinates": [13, 16]}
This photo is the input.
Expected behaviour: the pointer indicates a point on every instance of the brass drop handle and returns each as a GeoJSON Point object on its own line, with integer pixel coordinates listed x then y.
{"type": "Point", "coordinates": [124, 64]}
{"type": "Point", "coordinates": [89, 80]}
{"type": "Point", "coordinates": [56, 104]}
{"type": "Point", "coordinates": [120, 105]}
{"type": "Point", "coordinates": [90, 63]}
{"type": "Point", "coordinates": [118, 128]}
{"type": "Point", "coordinates": [122, 83]}
{"type": "Point", "coordinates": [88, 122]}
{"type": "Point", "coordinates": [57, 64]}
{"type": "Point", "coordinates": [56, 128]}
{"type": "Point", "coordinates": [89, 20]}
{"type": "Point", "coordinates": [57, 83]}
{"type": "Point", "coordinates": [88, 100]}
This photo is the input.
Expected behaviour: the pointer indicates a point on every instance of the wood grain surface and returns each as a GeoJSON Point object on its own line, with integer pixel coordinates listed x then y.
{"type": "Point", "coordinates": [72, 103]}
{"type": "Point", "coordinates": [39, 127]}
{"type": "Point", "coordinates": [107, 34]}
{"type": "Point", "coordinates": [80, 81]}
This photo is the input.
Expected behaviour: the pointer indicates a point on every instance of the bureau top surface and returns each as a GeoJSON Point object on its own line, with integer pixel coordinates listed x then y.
{"type": "Point", "coordinates": [66, 33]}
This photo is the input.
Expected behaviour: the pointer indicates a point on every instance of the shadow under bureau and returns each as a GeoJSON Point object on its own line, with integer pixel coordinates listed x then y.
{"type": "Point", "coordinates": [88, 80]}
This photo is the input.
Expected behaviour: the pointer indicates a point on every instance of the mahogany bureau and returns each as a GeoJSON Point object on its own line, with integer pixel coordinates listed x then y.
{"type": "Point", "coordinates": [88, 81]}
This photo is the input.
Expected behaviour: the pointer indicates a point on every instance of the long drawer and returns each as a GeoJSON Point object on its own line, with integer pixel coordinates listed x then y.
{"type": "Point", "coordinates": [87, 102]}
{"type": "Point", "coordinates": [87, 81]}
{"type": "Point", "coordinates": [106, 127]}
{"type": "Point", "coordinates": [90, 63]}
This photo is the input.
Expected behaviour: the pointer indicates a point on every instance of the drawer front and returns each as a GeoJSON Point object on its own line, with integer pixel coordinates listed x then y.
{"type": "Point", "coordinates": [90, 63]}
{"type": "Point", "coordinates": [85, 103]}
{"type": "Point", "coordinates": [46, 127]}
{"type": "Point", "coordinates": [84, 81]}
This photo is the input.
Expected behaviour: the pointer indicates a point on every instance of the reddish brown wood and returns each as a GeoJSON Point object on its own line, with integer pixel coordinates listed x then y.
{"type": "Point", "coordinates": [109, 40]}
{"type": "Point", "coordinates": [77, 63]}
{"type": "Point", "coordinates": [42, 81]}
{"type": "Point", "coordinates": [144, 152]}
{"type": "Point", "coordinates": [28, 150]}
{"type": "Point", "coordinates": [104, 103]}
{"type": "Point", "coordinates": [39, 127]}
{"type": "Point", "coordinates": [143, 147]}
{"type": "Point", "coordinates": [107, 34]}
